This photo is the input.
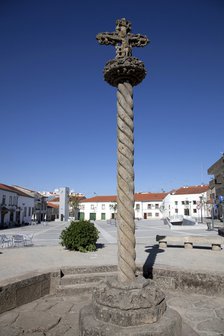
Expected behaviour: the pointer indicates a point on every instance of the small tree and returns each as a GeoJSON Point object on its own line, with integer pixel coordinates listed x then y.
{"type": "Point", "coordinates": [113, 207]}
{"type": "Point", "coordinates": [80, 236]}
{"type": "Point", "coordinates": [74, 203]}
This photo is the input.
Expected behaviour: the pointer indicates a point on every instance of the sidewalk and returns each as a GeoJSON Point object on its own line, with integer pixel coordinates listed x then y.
{"type": "Point", "coordinates": [17, 261]}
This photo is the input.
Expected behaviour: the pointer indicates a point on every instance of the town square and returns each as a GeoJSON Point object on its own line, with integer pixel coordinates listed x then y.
{"type": "Point", "coordinates": [111, 218]}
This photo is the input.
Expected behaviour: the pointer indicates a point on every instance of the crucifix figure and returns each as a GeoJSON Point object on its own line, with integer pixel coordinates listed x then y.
{"type": "Point", "coordinates": [122, 39]}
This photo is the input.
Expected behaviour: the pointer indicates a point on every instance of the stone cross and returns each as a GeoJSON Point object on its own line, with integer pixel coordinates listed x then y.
{"type": "Point", "coordinates": [124, 72]}
{"type": "Point", "coordinates": [129, 305]}
{"type": "Point", "coordinates": [122, 39]}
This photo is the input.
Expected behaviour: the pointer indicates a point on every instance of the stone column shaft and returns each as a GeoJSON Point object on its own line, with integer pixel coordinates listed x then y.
{"type": "Point", "coordinates": [125, 183]}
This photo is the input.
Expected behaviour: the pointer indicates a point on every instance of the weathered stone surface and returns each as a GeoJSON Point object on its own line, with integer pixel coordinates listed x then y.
{"type": "Point", "coordinates": [129, 69]}
{"type": "Point", "coordinates": [220, 313]}
{"type": "Point", "coordinates": [7, 298]}
{"type": "Point", "coordinates": [28, 293]}
{"type": "Point", "coordinates": [24, 290]}
{"type": "Point", "coordinates": [170, 324]}
{"type": "Point", "coordinates": [207, 283]}
{"type": "Point", "coordinates": [7, 319]}
{"type": "Point", "coordinates": [123, 39]}
{"type": "Point", "coordinates": [135, 303]}
{"type": "Point", "coordinates": [187, 330]}
{"type": "Point", "coordinates": [34, 321]}
{"type": "Point", "coordinates": [215, 325]}
{"type": "Point", "coordinates": [4, 331]}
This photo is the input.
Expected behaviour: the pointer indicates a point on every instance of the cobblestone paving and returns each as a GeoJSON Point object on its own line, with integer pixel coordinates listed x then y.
{"type": "Point", "coordinates": [54, 316]}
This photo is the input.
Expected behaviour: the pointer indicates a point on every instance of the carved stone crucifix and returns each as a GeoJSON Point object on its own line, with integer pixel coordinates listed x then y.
{"type": "Point", "coordinates": [122, 39]}
{"type": "Point", "coordinates": [124, 72]}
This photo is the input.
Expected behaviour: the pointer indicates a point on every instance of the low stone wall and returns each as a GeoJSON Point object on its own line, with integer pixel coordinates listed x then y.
{"type": "Point", "coordinates": [207, 283]}
{"type": "Point", "coordinates": [18, 291]}
{"type": "Point", "coordinates": [21, 290]}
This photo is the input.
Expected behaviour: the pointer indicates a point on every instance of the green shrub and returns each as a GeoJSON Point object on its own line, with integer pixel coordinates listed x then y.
{"type": "Point", "coordinates": [80, 236]}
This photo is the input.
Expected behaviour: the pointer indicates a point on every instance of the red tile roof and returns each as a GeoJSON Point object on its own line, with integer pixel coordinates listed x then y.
{"type": "Point", "coordinates": [148, 197]}
{"type": "Point", "coordinates": [100, 199]}
{"type": "Point", "coordinates": [6, 187]}
{"type": "Point", "coordinates": [198, 189]}
{"type": "Point", "coordinates": [12, 189]}
{"type": "Point", "coordinates": [52, 205]}
{"type": "Point", "coordinates": [55, 199]}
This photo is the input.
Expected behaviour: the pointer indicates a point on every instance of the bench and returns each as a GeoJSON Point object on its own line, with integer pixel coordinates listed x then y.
{"type": "Point", "coordinates": [189, 241]}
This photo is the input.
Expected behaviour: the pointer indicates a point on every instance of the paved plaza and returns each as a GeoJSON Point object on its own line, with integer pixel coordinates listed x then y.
{"type": "Point", "coordinates": [55, 315]}
{"type": "Point", "coordinates": [46, 252]}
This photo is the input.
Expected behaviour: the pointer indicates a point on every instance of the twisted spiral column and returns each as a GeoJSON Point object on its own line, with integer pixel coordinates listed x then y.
{"type": "Point", "coordinates": [125, 183]}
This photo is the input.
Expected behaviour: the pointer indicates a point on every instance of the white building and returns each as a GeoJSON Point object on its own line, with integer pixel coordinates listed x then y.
{"type": "Point", "coordinates": [190, 201]}
{"type": "Point", "coordinates": [147, 206]}
{"type": "Point", "coordinates": [63, 203]}
{"type": "Point", "coordinates": [40, 203]}
{"type": "Point", "coordinates": [16, 208]}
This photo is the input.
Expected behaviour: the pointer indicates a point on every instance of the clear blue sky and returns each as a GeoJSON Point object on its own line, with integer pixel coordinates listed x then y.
{"type": "Point", "coordinates": [58, 116]}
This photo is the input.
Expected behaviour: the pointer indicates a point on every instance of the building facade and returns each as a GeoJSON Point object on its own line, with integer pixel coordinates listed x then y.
{"type": "Point", "coordinates": [217, 186]}
{"type": "Point", "coordinates": [147, 206]}
{"type": "Point", "coordinates": [191, 201]}
{"type": "Point", "coordinates": [16, 208]}
{"type": "Point", "coordinates": [40, 203]}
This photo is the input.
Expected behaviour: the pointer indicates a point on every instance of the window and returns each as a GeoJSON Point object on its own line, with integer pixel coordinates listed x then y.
{"type": "Point", "coordinates": [194, 202]}
{"type": "Point", "coordinates": [183, 202]}
{"type": "Point", "coordinates": [187, 202]}
{"type": "Point", "coordinates": [157, 206]}
{"type": "Point", "coordinates": [103, 206]}
{"type": "Point", "coordinates": [137, 207]}
{"type": "Point", "coordinates": [186, 212]}
{"type": "Point", "coordinates": [157, 214]}
{"type": "Point", "coordinates": [10, 200]}
{"type": "Point", "coordinates": [25, 210]}
{"type": "Point", "coordinates": [176, 210]}
{"type": "Point", "coordinates": [29, 214]}
{"type": "Point", "coordinates": [149, 206]}
{"type": "Point", "coordinates": [3, 199]}
{"type": "Point", "coordinates": [176, 202]}
{"type": "Point", "coordinates": [149, 214]}
{"type": "Point", "coordinates": [194, 210]}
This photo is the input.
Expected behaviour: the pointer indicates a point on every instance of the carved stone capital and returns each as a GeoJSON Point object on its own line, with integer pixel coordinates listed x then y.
{"type": "Point", "coordinates": [128, 69]}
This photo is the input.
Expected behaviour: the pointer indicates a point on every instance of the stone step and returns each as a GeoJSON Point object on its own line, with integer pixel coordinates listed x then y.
{"type": "Point", "coordinates": [73, 279]}
{"type": "Point", "coordinates": [88, 269]}
{"type": "Point", "coordinates": [76, 289]}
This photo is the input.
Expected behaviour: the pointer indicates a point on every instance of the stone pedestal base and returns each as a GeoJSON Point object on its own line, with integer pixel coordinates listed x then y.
{"type": "Point", "coordinates": [170, 324]}
{"type": "Point", "coordinates": [133, 309]}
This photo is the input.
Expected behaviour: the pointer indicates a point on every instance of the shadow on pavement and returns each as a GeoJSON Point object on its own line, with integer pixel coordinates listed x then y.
{"type": "Point", "coordinates": [99, 246]}
{"type": "Point", "coordinates": [150, 261]}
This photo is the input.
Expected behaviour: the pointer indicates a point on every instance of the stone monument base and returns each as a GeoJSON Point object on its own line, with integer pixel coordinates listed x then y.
{"type": "Point", "coordinates": [170, 324]}
{"type": "Point", "coordinates": [134, 309]}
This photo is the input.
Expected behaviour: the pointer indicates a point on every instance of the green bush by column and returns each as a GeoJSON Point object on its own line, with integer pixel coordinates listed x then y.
{"type": "Point", "coordinates": [80, 236]}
